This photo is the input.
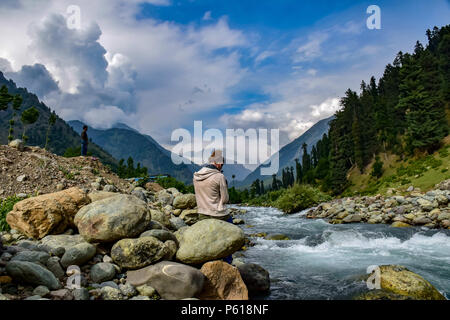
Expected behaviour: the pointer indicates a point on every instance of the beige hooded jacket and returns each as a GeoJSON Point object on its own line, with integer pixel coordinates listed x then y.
{"type": "Point", "coordinates": [211, 191]}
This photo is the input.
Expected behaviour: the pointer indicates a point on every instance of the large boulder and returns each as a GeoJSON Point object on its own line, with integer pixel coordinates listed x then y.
{"type": "Point", "coordinates": [184, 201]}
{"type": "Point", "coordinates": [164, 198]}
{"type": "Point", "coordinates": [47, 214]}
{"type": "Point", "coordinates": [170, 279]}
{"type": "Point", "coordinates": [161, 217]}
{"type": "Point", "coordinates": [138, 253]}
{"type": "Point", "coordinates": [400, 281]}
{"type": "Point", "coordinates": [207, 240]}
{"type": "Point", "coordinates": [32, 273]}
{"type": "Point", "coordinates": [223, 282]}
{"type": "Point", "coordinates": [65, 241]}
{"type": "Point", "coordinates": [78, 255]}
{"type": "Point", "coordinates": [112, 219]}
{"type": "Point", "coordinates": [255, 277]}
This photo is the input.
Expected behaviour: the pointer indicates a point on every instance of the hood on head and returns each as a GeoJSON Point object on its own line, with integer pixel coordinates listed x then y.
{"type": "Point", "coordinates": [205, 173]}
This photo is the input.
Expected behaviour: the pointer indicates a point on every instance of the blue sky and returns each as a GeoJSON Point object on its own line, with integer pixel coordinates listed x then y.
{"type": "Point", "coordinates": [158, 65]}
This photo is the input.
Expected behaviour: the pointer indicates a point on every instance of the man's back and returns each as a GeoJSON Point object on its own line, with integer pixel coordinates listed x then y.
{"type": "Point", "coordinates": [211, 191]}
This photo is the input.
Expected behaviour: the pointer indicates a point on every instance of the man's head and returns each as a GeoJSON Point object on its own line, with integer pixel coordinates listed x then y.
{"type": "Point", "coordinates": [85, 128]}
{"type": "Point", "coordinates": [216, 159]}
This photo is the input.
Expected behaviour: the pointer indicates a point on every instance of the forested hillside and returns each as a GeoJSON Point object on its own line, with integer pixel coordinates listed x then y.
{"type": "Point", "coordinates": [404, 113]}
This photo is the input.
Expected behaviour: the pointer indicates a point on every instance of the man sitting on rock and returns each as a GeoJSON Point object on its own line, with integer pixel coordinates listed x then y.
{"type": "Point", "coordinates": [211, 191]}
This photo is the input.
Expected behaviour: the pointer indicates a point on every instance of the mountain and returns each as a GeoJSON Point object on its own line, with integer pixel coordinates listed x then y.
{"type": "Point", "coordinates": [123, 141]}
{"type": "Point", "coordinates": [291, 151]}
{"type": "Point", "coordinates": [62, 136]}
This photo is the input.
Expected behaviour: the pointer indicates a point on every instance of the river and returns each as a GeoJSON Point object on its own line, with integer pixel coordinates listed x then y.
{"type": "Point", "coordinates": [324, 261]}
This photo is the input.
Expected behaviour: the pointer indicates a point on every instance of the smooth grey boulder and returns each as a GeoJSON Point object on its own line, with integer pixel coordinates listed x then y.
{"type": "Point", "coordinates": [54, 265]}
{"type": "Point", "coordinates": [112, 219]}
{"type": "Point", "coordinates": [102, 272]}
{"type": "Point", "coordinates": [66, 241]}
{"type": "Point", "coordinates": [207, 240]}
{"type": "Point", "coordinates": [255, 277]}
{"type": "Point", "coordinates": [78, 255]}
{"type": "Point", "coordinates": [32, 256]}
{"type": "Point", "coordinates": [32, 273]}
{"type": "Point", "coordinates": [185, 201]}
{"type": "Point", "coordinates": [171, 280]}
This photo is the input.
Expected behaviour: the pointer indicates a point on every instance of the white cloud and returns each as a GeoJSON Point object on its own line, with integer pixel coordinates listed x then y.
{"type": "Point", "coordinates": [207, 16]}
{"type": "Point", "coordinates": [311, 49]}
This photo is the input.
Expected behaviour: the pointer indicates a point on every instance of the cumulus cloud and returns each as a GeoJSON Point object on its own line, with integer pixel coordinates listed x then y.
{"type": "Point", "coordinates": [35, 78]}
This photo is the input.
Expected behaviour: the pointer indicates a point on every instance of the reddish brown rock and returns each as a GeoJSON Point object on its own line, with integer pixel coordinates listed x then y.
{"type": "Point", "coordinates": [223, 282]}
{"type": "Point", "coordinates": [153, 186]}
{"type": "Point", "coordinates": [47, 214]}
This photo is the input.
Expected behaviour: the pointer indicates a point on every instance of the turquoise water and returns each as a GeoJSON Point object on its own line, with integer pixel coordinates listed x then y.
{"type": "Point", "coordinates": [324, 261]}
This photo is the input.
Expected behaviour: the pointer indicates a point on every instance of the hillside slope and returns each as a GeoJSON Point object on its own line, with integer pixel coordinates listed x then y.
{"type": "Point", "coordinates": [62, 136]}
{"type": "Point", "coordinates": [292, 151]}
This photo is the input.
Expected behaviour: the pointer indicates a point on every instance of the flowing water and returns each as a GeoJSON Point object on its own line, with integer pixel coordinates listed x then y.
{"type": "Point", "coordinates": [324, 261]}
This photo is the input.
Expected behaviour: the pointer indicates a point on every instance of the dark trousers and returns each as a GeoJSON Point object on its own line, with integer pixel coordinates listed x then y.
{"type": "Point", "coordinates": [84, 145]}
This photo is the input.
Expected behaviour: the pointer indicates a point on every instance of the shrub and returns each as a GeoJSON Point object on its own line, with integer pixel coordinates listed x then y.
{"type": "Point", "coordinates": [6, 206]}
{"type": "Point", "coordinates": [377, 170]}
{"type": "Point", "coordinates": [300, 197]}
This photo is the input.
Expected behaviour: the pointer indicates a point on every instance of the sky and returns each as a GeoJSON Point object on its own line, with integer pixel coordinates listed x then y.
{"type": "Point", "coordinates": [159, 65]}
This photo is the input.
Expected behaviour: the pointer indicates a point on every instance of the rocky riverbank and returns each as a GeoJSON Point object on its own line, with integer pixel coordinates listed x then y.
{"type": "Point", "coordinates": [80, 244]}
{"type": "Point", "coordinates": [430, 209]}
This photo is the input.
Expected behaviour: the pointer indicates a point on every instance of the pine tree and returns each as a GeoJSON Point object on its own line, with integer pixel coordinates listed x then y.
{"type": "Point", "coordinates": [28, 117]}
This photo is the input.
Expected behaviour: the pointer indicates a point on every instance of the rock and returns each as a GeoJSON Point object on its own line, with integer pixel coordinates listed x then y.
{"type": "Point", "coordinates": [421, 220]}
{"type": "Point", "coordinates": [100, 195]}
{"type": "Point", "coordinates": [138, 253]}
{"type": "Point", "coordinates": [208, 240]}
{"type": "Point", "coordinates": [162, 235]}
{"type": "Point", "coordinates": [65, 241]}
{"type": "Point", "coordinates": [47, 214]}
{"type": "Point", "coordinates": [102, 272]}
{"type": "Point", "coordinates": [17, 143]}
{"type": "Point", "coordinates": [171, 280]}
{"type": "Point", "coordinates": [61, 294]}
{"type": "Point", "coordinates": [399, 280]}
{"type": "Point", "coordinates": [54, 265]}
{"type": "Point", "coordinates": [223, 282]}
{"type": "Point", "coordinates": [276, 236]}
{"type": "Point", "coordinates": [111, 284]}
{"type": "Point", "coordinates": [112, 219]}
{"type": "Point", "coordinates": [21, 178]}
{"type": "Point", "coordinates": [164, 198]}
{"type": "Point", "coordinates": [32, 256]}
{"type": "Point", "coordinates": [5, 279]}
{"type": "Point", "coordinates": [35, 297]}
{"type": "Point", "coordinates": [426, 205]}
{"type": "Point", "coordinates": [189, 216]}
{"type": "Point", "coordinates": [146, 291]}
{"type": "Point", "coordinates": [352, 218]}
{"type": "Point", "coordinates": [110, 188]}
{"type": "Point", "coordinates": [80, 294]}
{"type": "Point", "coordinates": [41, 291]}
{"type": "Point", "coordinates": [139, 194]}
{"type": "Point", "coordinates": [381, 295]}
{"type": "Point", "coordinates": [185, 201]}
{"type": "Point", "coordinates": [32, 273]}
{"type": "Point", "coordinates": [255, 277]}
{"type": "Point", "coordinates": [238, 221]}
{"type": "Point", "coordinates": [128, 290]}
{"type": "Point", "coordinates": [160, 217]}
{"type": "Point", "coordinates": [399, 224]}
{"type": "Point", "coordinates": [107, 259]}
{"type": "Point", "coordinates": [410, 189]}
{"type": "Point", "coordinates": [109, 293]}
{"type": "Point", "coordinates": [153, 187]}
{"type": "Point", "coordinates": [444, 216]}
{"type": "Point", "coordinates": [176, 212]}
{"type": "Point", "coordinates": [177, 223]}
{"type": "Point", "coordinates": [78, 255]}
{"type": "Point", "coordinates": [445, 224]}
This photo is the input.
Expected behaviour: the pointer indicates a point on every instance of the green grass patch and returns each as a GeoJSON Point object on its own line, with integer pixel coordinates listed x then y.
{"type": "Point", "coordinates": [6, 205]}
